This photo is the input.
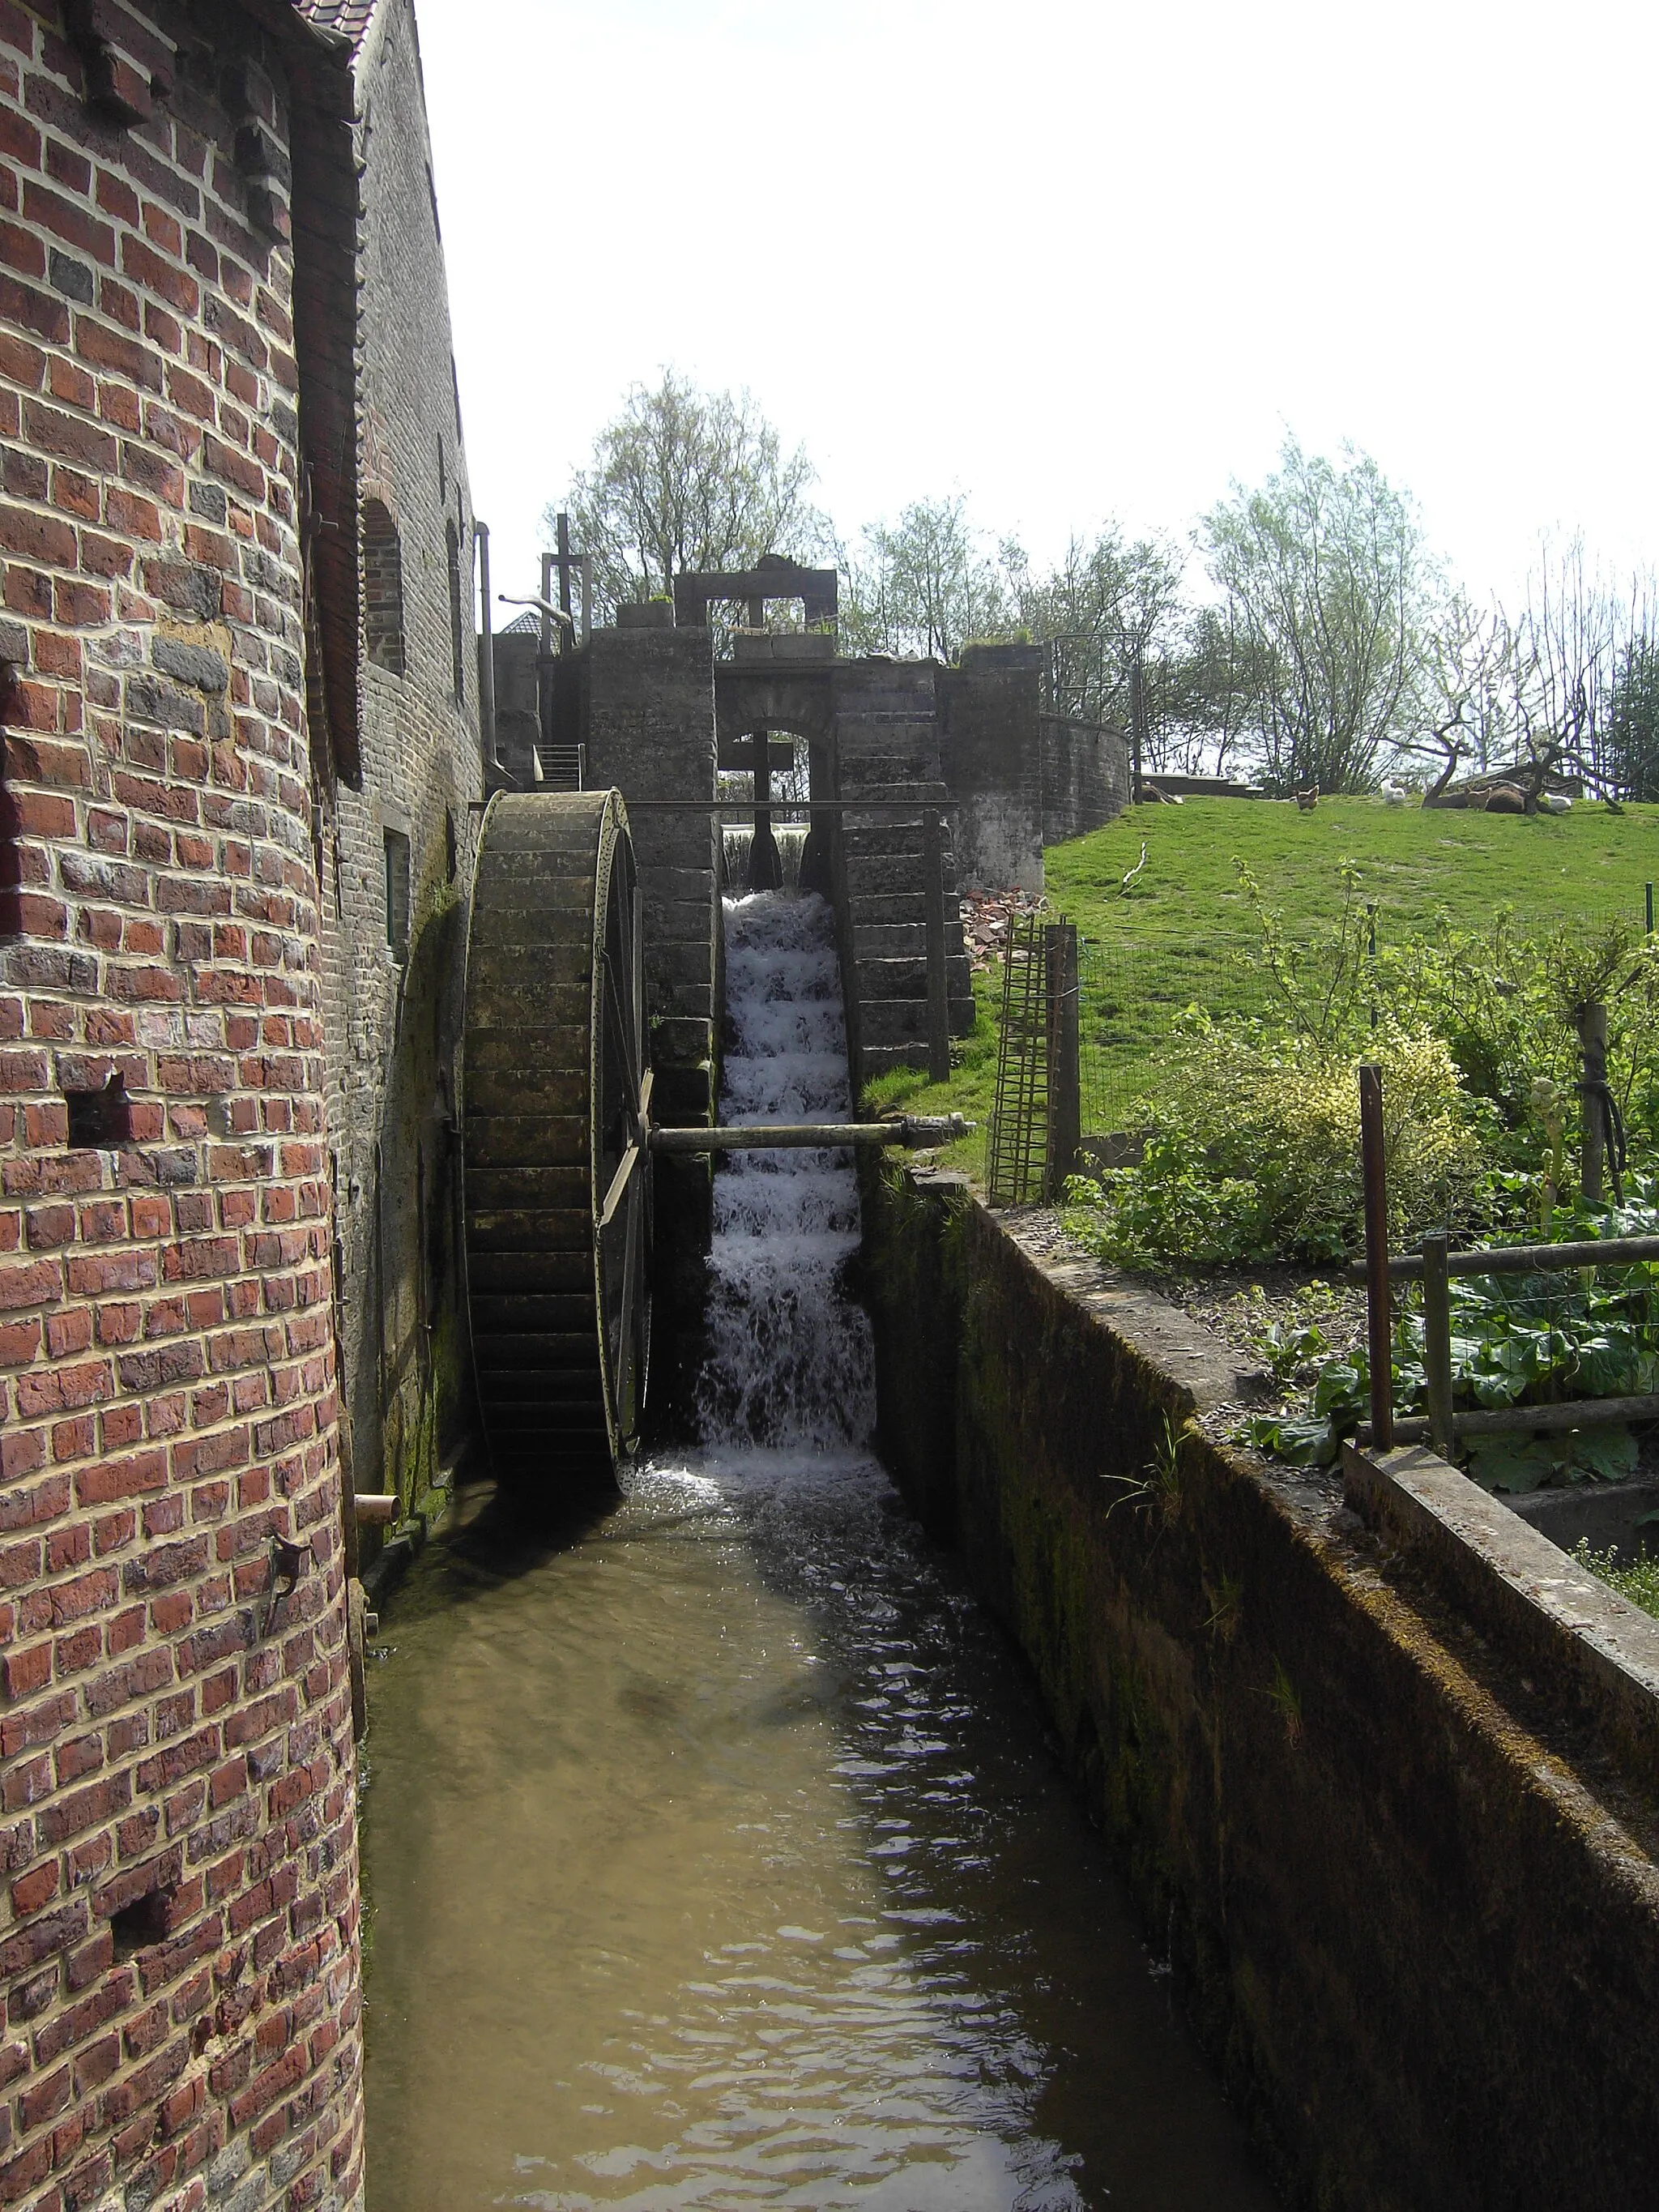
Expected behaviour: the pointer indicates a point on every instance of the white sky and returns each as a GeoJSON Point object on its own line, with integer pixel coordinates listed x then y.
{"type": "Point", "coordinates": [1075, 260]}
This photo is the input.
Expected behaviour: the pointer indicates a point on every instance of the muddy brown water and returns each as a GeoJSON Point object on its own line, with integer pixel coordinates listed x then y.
{"type": "Point", "coordinates": [716, 1858]}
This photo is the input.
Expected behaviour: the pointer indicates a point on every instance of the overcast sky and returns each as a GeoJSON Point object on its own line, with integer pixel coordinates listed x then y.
{"type": "Point", "coordinates": [1075, 260]}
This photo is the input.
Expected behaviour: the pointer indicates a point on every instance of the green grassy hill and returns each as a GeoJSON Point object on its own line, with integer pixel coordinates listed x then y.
{"type": "Point", "coordinates": [1186, 935]}
{"type": "Point", "coordinates": [1415, 865]}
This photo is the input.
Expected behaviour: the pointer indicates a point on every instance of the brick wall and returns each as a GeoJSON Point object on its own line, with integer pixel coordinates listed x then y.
{"type": "Point", "coordinates": [393, 1023]}
{"type": "Point", "coordinates": [179, 1959]}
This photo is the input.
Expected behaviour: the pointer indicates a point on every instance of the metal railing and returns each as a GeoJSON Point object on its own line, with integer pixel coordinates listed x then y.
{"type": "Point", "coordinates": [1434, 1266]}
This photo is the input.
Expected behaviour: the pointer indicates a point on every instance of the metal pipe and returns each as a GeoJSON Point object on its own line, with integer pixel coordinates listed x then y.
{"type": "Point", "coordinates": [912, 1130]}
{"type": "Point", "coordinates": [1508, 1420]}
{"type": "Point", "coordinates": [1530, 1259]}
{"type": "Point", "coordinates": [486, 660]}
{"type": "Point", "coordinates": [1378, 1330]}
{"type": "Point", "coordinates": [542, 606]}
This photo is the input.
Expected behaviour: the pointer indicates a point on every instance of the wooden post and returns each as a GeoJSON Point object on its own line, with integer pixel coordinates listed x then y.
{"type": "Point", "coordinates": [1379, 1321]}
{"type": "Point", "coordinates": [544, 659]}
{"type": "Point", "coordinates": [1437, 1342]}
{"type": "Point", "coordinates": [938, 1004]}
{"type": "Point", "coordinates": [1065, 1078]}
{"type": "Point", "coordinates": [1593, 1042]}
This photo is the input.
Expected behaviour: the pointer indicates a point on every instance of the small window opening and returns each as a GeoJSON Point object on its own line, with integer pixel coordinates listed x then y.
{"type": "Point", "coordinates": [396, 893]}
{"type": "Point", "coordinates": [383, 588]}
{"type": "Point", "coordinates": [458, 651]}
{"type": "Point", "coordinates": [452, 851]}
{"type": "Point", "coordinates": [98, 1118]}
{"type": "Point", "coordinates": [443, 476]}
{"type": "Point", "coordinates": [455, 386]}
{"type": "Point", "coordinates": [431, 194]}
{"type": "Point", "coordinates": [142, 1923]}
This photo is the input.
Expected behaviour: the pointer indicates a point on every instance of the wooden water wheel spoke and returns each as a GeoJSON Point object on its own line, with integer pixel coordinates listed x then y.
{"type": "Point", "coordinates": [557, 1175]}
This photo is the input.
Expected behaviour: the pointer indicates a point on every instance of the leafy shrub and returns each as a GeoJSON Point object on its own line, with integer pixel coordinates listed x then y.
{"type": "Point", "coordinates": [1256, 1155]}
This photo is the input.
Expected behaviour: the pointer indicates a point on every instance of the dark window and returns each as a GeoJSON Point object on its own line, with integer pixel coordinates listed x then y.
{"type": "Point", "coordinates": [452, 856]}
{"type": "Point", "coordinates": [383, 588]}
{"type": "Point", "coordinates": [145, 1922]}
{"type": "Point", "coordinates": [457, 641]}
{"type": "Point", "coordinates": [98, 1118]}
{"type": "Point", "coordinates": [397, 892]}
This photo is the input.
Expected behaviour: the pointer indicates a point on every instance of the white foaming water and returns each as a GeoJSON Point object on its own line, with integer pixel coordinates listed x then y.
{"type": "Point", "coordinates": [789, 1358]}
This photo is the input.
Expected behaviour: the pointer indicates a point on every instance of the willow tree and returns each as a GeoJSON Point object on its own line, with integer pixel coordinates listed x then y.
{"type": "Point", "coordinates": [1324, 567]}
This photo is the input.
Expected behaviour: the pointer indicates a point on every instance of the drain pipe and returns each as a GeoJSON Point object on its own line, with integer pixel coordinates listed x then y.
{"type": "Point", "coordinates": [492, 767]}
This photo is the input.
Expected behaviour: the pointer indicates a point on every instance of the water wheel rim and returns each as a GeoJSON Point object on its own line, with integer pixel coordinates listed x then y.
{"type": "Point", "coordinates": [554, 1090]}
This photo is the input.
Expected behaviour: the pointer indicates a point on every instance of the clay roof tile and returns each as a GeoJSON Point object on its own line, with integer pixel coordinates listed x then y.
{"type": "Point", "coordinates": [350, 17]}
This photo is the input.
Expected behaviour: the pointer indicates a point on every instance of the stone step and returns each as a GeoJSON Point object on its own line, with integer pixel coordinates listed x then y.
{"type": "Point", "coordinates": [890, 941]}
{"type": "Point", "coordinates": [890, 910]}
{"type": "Point", "coordinates": [907, 978]}
{"type": "Point", "coordinates": [899, 1021]}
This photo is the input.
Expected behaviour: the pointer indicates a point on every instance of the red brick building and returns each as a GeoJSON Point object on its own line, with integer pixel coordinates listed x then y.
{"type": "Point", "coordinates": [180, 635]}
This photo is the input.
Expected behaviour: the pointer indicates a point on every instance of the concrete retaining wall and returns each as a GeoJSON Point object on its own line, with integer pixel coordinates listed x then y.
{"type": "Point", "coordinates": [1411, 1902]}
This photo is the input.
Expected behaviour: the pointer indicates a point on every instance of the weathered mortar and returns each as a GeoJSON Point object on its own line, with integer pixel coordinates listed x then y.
{"type": "Point", "coordinates": [1415, 1915]}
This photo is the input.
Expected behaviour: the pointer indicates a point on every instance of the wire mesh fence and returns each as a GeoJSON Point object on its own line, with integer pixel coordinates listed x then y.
{"type": "Point", "coordinates": [1135, 988]}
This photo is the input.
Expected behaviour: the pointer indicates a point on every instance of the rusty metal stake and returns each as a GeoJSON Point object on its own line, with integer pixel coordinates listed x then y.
{"type": "Point", "coordinates": [1379, 1329]}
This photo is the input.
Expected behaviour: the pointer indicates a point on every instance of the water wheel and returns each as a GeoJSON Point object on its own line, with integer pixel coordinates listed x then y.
{"type": "Point", "coordinates": [556, 1175]}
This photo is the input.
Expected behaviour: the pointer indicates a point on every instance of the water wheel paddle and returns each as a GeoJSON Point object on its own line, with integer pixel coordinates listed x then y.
{"type": "Point", "coordinates": [556, 1095]}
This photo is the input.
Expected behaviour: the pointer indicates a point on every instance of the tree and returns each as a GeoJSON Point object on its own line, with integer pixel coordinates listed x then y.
{"type": "Point", "coordinates": [683, 480]}
{"type": "Point", "coordinates": [1325, 569]}
{"type": "Point", "coordinates": [1586, 637]}
{"type": "Point", "coordinates": [1474, 667]}
{"type": "Point", "coordinates": [924, 585]}
{"type": "Point", "coordinates": [1105, 606]}
{"type": "Point", "coordinates": [1632, 747]}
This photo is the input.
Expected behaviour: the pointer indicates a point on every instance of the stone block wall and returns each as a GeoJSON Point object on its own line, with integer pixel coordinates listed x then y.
{"type": "Point", "coordinates": [1405, 1889]}
{"type": "Point", "coordinates": [1086, 770]}
{"type": "Point", "coordinates": [179, 1942]}
{"type": "Point", "coordinates": [993, 762]}
{"type": "Point", "coordinates": [650, 732]}
{"type": "Point", "coordinates": [393, 998]}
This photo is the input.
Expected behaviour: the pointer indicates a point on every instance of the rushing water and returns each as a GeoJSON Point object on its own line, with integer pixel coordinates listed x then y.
{"type": "Point", "coordinates": [714, 1853]}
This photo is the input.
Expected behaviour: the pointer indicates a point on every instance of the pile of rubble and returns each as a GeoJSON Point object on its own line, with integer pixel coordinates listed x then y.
{"type": "Point", "coordinates": [987, 917]}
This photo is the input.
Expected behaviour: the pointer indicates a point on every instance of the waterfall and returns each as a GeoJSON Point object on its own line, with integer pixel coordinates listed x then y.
{"type": "Point", "coordinates": [790, 1360]}
{"type": "Point", "coordinates": [790, 838]}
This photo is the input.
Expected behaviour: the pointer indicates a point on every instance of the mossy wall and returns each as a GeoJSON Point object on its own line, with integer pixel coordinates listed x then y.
{"type": "Point", "coordinates": [1420, 1939]}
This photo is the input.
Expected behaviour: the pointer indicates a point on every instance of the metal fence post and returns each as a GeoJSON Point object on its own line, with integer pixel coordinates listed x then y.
{"type": "Point", "coordinates": [1378, 1320]}
{"type": "Point", "coordinates": [1065, 1071]}
{"type": "Point", "coordinates": [938, 1006]}
{"type": "Point", "coordinates": [1437, 1342]}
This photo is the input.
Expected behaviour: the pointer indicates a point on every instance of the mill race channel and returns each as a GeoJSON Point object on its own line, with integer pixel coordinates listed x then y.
{"type": "Point", "coordinates": [714, 1853]}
